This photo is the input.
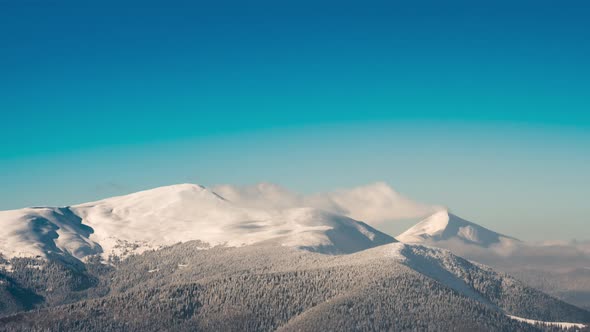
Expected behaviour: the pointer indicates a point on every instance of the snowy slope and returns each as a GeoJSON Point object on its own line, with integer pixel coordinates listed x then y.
{"type": "Point", "coordinates": [445, 226]}
{"type": "Point", "coordinates": [563, 325]}
{"type": "Point", "coordinates": [45, 231]}
{"type": "Point", "coordinates": [168, 215]}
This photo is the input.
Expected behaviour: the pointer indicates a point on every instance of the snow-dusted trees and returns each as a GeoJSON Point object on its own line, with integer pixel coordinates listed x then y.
{"type": "Point", "coordinates": [267, 288]}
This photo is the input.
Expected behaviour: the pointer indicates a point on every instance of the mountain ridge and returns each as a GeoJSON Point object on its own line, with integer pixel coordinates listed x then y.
{"type": "Point", "coordinates": [163, 216]}
{"type": "Point", "coordinates": [314, 261]}
{"type": "Point", "coordinates": [265, 287]}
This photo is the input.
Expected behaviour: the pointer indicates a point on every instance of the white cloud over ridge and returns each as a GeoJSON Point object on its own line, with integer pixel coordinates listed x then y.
{"type": "Point", "coordinates": [374, 203]}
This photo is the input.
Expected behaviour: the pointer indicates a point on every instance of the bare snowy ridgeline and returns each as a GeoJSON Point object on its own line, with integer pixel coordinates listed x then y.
{"type": "Point", "coordinates": [267, 287]}
{"type": "Point", "coordinates": [165, 216]}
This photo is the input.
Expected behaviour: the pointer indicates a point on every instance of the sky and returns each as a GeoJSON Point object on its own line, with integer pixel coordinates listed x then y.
{"type": "Point", "coordinates": [481, 106]}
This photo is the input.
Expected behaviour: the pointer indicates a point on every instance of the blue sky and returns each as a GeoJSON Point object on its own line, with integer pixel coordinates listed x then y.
{"type": "Point", "coordinates": [483, 107]}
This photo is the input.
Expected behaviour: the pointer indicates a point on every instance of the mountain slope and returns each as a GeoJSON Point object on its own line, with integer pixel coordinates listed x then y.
{"type": "Point", "coordinates": [264, 287]}
{"type": "Point", "coordinates": [558, 269]}
{"type": "Point", "coordinates": [164, 216]}
{"type": "Point", "coordinates": [44, 231]}
{"type": "Point", "coordinates": [263, 269]}
{"type": "Point", "coordinates": [445, 226]}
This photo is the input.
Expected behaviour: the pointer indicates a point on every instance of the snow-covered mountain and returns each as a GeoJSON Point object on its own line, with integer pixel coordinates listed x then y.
{"type": "Point", "coordinates": [445, 226]}
{"type": "Point", "coordinates": [560, 269]}
{"type": "Point", "coordinates": [167, 215]}
{"type": "Point", "coordinates": [252, 264]}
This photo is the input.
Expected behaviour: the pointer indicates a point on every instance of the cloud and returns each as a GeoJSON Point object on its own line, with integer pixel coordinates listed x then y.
{"type": "Point", "coordinates": [261, 195]}
{"type": "Point", "coordinates": [512, 256]}
{"type": "Point", "coordinates": [374, 204]}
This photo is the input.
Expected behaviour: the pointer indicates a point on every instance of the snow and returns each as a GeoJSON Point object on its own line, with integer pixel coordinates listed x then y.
{"type": "Point", "coordinates": [35, 232]}
{"type": "Point", "coordinates": [443, 226]}
{"type": "Point", "coordinates": [164, 216]}
{"type": "Point", "coordinates": [563, 325]}
{"type": "Point", "coordinates": [429, 227]}
{"type": "Point", "coordinates": [394, 251]}
{"type": "Point", "coordinates": [6, 267]}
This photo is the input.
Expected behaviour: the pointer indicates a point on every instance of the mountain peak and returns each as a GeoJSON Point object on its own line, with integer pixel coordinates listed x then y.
{"type": "Point", "coordinates": [445, 226]}
{"type": "Point", "coordinates": [170, 190]}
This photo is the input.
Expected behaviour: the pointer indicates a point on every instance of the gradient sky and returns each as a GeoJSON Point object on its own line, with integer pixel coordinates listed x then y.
{"type": "Point", "coordinates": [483, 106]}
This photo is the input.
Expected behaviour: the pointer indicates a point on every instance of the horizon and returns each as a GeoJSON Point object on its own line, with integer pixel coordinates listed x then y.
{"type": "Point", "coordinates": [483, 108]}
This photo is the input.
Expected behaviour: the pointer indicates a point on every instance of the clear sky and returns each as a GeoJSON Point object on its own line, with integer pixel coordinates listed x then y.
{"type": "Point", "coordinates": [483, 106]}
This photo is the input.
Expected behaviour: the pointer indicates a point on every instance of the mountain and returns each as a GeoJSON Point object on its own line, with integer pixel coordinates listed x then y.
{"type": "Point", "coordinates": [445, 226]}
{"type": "Point", "coordinates": [265, 287]}
{"type": "Point", "coordinates": [164, 216]}
{"type": "Point", "coordinates": [560, 269]}
{"type": "Point", "coordinates": [186, 257]}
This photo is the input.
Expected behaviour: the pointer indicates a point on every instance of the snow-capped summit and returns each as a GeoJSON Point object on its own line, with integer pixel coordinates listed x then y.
{"type": "Point", "coordinates": [167, 215]}
{"type": "Point", "coordinates": [445, 226]}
